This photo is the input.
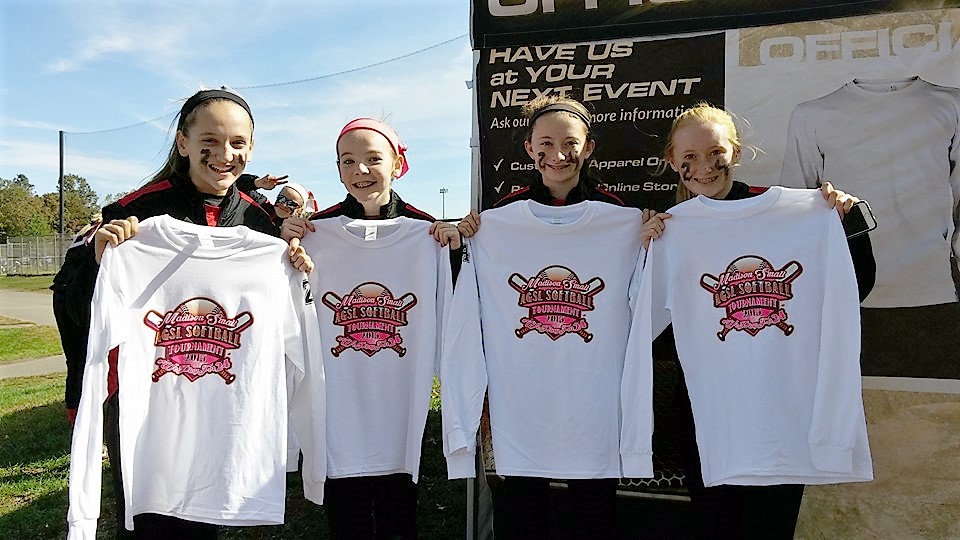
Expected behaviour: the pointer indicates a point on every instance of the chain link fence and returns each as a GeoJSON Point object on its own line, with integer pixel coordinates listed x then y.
{"type": "Point", "coordinates": [32, 255]}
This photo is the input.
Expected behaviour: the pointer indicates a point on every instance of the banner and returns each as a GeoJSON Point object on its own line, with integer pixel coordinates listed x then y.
{"type": "Point", "coordinates": [872, 107]}
{"type": "Point", "coordinates": [870, 103]}
{"type": "Point", "coordinates": [498, 23]}
{"type": "Point", "coordinates": [634, 95]}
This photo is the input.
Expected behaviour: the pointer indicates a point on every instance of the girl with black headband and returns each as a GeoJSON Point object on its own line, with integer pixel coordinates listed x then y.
{"type": "Point", "coordinates": [212, 145]}
{"type": "Point", "coordinates": [559, 142]}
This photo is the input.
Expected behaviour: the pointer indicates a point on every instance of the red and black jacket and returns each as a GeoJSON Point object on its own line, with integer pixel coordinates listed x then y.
{"type": "Point", "coordinates": [178, 198]}
{"type": "Point", "coordinates": [396, 207]}
{"type": "Point", "coordinates": [351, 208]}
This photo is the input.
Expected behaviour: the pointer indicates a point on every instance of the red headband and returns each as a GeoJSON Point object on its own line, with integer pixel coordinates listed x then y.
{"type": "Point", "coordinates": [383, 129]}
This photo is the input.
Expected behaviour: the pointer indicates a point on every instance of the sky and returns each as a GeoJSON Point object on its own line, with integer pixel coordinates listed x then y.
{"type": "Point", "coordinates": [113, 74]}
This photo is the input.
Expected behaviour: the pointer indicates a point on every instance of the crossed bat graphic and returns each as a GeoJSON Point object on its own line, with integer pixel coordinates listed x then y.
{"type": "Point", "coordinates": [332, 301]}
{"type": "Point", "coordinates": [712, 284]}
{"type": "Point", "coordinates": [155, 321]}
{"type": "Point", "coordinates": [519, 283]}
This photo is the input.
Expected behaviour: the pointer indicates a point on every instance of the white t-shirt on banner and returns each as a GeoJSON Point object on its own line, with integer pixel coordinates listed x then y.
{"type": "Point", "coordinates": [896, 144]}
{"type": "Point", "coordinates": [764, 304]}
{"type": "Point", "coordinates": [382, 288]}
{"type": "Point", "coordinates": [208, 322]}
{"type": "Point", "coordinates": [540, 320]}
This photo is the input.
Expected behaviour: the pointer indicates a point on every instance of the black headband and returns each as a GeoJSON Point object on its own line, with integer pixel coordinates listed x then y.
{"type": "Point", "coordinates": [580, 112]}
{"type": "Point", "coordinates": [206, 95]}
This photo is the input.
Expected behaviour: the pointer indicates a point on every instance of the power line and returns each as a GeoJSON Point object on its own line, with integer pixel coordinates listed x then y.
{"type": "Point", "coordinates": [118, 128]}
{"type": "Point", "coordinates": [368, 66]}
{"type": "Point", "coordinates": [287, 83]}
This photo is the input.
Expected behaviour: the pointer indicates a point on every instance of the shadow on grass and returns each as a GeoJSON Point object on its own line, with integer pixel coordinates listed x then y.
{"type": "Point", "coordinates": [44, 517]}
{"type": "Point", "coordinates": [441, 506]}
{"type": "Point", "coordinates": [35, 442]}
{"type": "Point", "coordinates": [34, 451]}
{"type": "Point", "coordinates": [34, 435]}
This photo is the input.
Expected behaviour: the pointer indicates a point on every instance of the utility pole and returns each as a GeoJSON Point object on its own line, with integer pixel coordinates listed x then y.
{"type": "Point", "coordinates": [61, 186]}
{"type": "Point", "coordinates": [443, 202]}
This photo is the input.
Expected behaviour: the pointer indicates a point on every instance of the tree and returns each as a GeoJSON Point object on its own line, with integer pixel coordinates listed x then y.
{"type": "Point", "coordinates": [24, 213]}
{"type": "Point", "coordinates": [80, 203]}
{"type": "Point", "coordinates": [21, 212]}
{"type": "Point", "coordinates": [110, 198]}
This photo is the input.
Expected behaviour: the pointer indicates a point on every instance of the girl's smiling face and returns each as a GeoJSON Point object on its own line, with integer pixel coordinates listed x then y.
{"type": "Point", "coordinates": [559, 146]}
{"type": "Point", "coordinates": [368, 166]}
{"type": "Point", "coordinates": [218, 142]}
{"type": "Point", "coordinates": [703, 156]}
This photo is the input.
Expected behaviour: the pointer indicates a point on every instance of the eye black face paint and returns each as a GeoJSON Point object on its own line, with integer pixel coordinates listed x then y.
{"type": "Point", "coordinates": [572, 158]}
{"type": "Point", "coordinates": [721, 166]}
{"type": "Point", "coordinates": [685, 173]}
{"type": "Point", "coordinates": [541, 158]}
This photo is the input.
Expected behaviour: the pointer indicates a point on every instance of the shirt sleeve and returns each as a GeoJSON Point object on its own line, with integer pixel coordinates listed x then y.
{"type": "Point", "coordinates": [636, 385]}
{"type": "Point", "coordinates": [802, 160]}
{"type": "Point", "coordinates": [838, 403]}
{"type": "Point", "coordinates": [307, 391]}
{"type": "Point", "coordinates": [463, 375]}
{"type": "Point", "coordinates": [86, 448]}
{"type": "Point", "coordinates": [445, 279]}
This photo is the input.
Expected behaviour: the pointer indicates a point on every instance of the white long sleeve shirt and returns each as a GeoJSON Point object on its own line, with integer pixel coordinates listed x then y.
{"type": "Point", "coordinates": [540, 320]}
{"type": "Point", "coordinates": [382, 288]}
{"type": "Point", "coordinates": [896, 144]}
{"type": "Point", "coordinates": [764, 304]}
{"type": "Point", "coordinates": [207, 321]}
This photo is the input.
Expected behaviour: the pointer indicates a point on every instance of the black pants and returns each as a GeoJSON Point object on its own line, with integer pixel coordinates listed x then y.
{"type": "Point", "coordinates": [371, 507]}
{"type": "Point", "coordinates": [521, 509]}
{"type": "Point", "coordinates": [727, 512]}
{"type": "Point", "coordinates": [158, 527]}
{"type": "Point", "coordinates": [111, 437]}
{"type": "Point", "coordinates": [746, 512]}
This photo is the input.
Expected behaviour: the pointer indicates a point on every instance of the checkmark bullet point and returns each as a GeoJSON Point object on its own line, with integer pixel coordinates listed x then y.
{"type": "Point", "coordinates": [497, 166]}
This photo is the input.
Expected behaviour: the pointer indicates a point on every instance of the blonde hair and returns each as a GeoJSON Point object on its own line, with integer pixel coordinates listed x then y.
{"type": "Point", "coordinates": [701, 113]}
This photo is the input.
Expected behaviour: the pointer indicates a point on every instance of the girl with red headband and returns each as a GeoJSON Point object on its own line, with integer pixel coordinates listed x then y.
{"type": "Point", "coordinates": [370, 157]}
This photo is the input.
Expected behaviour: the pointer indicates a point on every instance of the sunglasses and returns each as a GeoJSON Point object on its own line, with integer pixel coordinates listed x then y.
{"type": "Point", "coordinates": [289, 203]}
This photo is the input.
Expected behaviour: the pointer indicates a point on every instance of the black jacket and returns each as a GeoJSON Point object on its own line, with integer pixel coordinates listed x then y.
{"type": "Point", "coordinates": [586, 190]}
{"type": "Point", "coordinates": [74, 283]}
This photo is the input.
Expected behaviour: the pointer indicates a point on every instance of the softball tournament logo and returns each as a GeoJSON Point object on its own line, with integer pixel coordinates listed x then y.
{"type": "Point", "coordinates": [557, 300]}
{"type": "Point", "coordinates": [752, 292]}
{"type": "Point", "coordinates": [370, 316]}
{"type": "Point", "coordinates": [197, 337]}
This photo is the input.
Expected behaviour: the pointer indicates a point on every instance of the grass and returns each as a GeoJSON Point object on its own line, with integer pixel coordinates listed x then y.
{"type": "Point", "coordinates": [35, 448]}
{"type": "Point", "coordinates": [34, 457]}
{"type": "Point", "coordinates": [27, 340]}
{"type": "Point", "coordinates": [27, 283]}
{"type": "Point", "coordinates": [34, 466]}
{"type": "Point", "coordinates": [33, 341]}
